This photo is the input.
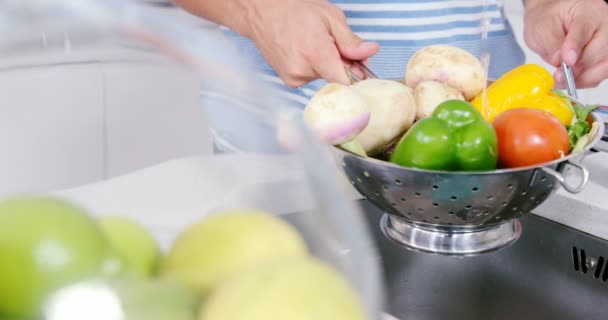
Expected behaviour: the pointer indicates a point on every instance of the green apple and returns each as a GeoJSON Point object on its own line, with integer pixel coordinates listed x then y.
{"type": "Point", "coordinates": [134, 243]}
{"type": "Point", "coordinates": [127, 299]}
{"type": "Point", "coordinates": [157, 299]}
{"type": "Point", "coordinates": [45, 243]}
{"type": "Point", "coordinates": [114, 265]}
{"type": "Point", "coordinates": [226, 243]}
{"type": "Point", "coordinates": [285, 289]}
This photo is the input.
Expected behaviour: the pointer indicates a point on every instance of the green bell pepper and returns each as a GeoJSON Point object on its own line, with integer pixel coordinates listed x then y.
{"type": "Point", "coordinates": [454, 138]}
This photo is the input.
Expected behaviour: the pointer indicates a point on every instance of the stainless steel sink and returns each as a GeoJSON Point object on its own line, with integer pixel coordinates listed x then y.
{"type": "Point", "coordinates": [551, 272]}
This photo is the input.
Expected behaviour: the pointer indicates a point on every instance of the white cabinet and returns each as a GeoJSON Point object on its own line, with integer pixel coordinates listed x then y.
{"type": "Point", "coordinates": [153, 114]}
{"type": "Point", "coordinates": [50, 127]}
{"type": "Point", "coordinates": [68, 124]}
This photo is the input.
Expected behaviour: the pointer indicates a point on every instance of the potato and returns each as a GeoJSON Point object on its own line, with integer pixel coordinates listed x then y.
{"type": "Point", "coordinates": [449, 65]}
{"type": "Point", "coordinates": [429, 94]}
{"type": "Point", "coordinates": [337, 113]}
{"type": "Point", "coordinates": [393, 111]}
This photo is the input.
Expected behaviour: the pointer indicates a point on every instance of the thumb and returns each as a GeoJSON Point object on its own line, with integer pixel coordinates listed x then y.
{"type": "Point", "coordinates": [349, 44]}
{"type": "Point", "coordinates": [578, 34]}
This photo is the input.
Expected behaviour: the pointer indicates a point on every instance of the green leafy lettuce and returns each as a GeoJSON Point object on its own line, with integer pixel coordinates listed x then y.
{"type": "Point", "coordinates": [579, 127]}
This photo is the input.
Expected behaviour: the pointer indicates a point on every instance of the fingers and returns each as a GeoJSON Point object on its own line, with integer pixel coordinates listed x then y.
{"type": "Point", "coordinates": [327, 62]}
{"type": "Point", "coordinates": [585, 77]}
{"type": "Point", "coordinates": [329, 58]}
{"type": "Point", "coordinates": [593, 77]}
{"type": "Point", "coordinates": [353, 68]}
{"type": "Point", "coordinates": [585, 48]}
{"type": "Point", "coordinates": [544, 34]}
{"type": "Point", "coordinates": [558, 76]}
{"type": "Point", "coordinates": [348, 43]}
{"type": "Point", "coordinates": [579, 33]}
{"type": "Point", "coordinates": [315, 43]}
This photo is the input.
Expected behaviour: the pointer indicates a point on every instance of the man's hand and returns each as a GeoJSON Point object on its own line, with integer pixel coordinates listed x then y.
{"type": "Point", "coordinates": [574, 30]}
{"type": "Point", "coordinates": [304, 40]}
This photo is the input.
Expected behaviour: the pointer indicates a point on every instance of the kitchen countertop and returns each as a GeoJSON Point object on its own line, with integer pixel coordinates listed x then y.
{"type": "Point", "coordinates": [586, 211]}
{"type": "Point", "coordinates": [168, 196]}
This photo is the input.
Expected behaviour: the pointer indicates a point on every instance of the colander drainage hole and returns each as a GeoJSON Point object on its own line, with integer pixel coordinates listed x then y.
{"type": "Point", "coordinates": [393, 204]}
{"type": "Point", "coordinates": [514, 209]}
{"type": "Point", "coordinates": [490, 198]}
{"type": "Point", "coordinates": [376, 194]}
{"type": "Point", "coordinates": [436, 218]}
{"type": "Point", "coordinates": [418, 195]}
{"type": "Point", "coordinates": [366, 174]}
{"type": "Point", "coordinates": [532, 197]}
{"type": "Point", "coordinates": [359, 179]}
{"type": "Point", "coordinates": [523, 193]}
{"type": "Point", "coordinates": [402, 199]}
{"type": "Point", "coordinates": [475, 189]}
{"type": "Point", "coordinates": [504, 203]}
{"type": "Point", "coordinates": [352, 181]}
{"type": "Point", "coordinates": [543, 178]}
{"type": "Point", "coordinates": [385, 187]}
{"type": "Point", "coordinates": [435, 187]}
{"type": "Point", "coordinates": [468, 207]}
{"type": "Point", "coordinates": [435, 205]}
{"type": "Point", "coordinates": [453, 198]}
{"type": "Point", "coordinates": [424, 221]}
{"type": "Point", "coordinates": [510, 186]}
{"type": "Point", "coordinates": [398, 182]}
{"type": "Point", "coordinates": [420, 209]}
{"type": "Point", "coordinates": [451, 212]}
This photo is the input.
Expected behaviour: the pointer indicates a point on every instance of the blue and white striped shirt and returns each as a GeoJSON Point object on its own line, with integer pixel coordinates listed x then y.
{"type": "Point", "coordinates": [402, 27]}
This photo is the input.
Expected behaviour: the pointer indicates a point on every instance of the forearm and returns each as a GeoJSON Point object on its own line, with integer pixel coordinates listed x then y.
{"type": "Point", "coordinates": [229, 13]}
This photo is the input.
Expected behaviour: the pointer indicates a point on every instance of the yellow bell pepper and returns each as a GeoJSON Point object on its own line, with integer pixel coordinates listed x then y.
{"type": "Point", "coordinates": [527, 86]}
{"type": "Point", "coordinates": [555, 105]}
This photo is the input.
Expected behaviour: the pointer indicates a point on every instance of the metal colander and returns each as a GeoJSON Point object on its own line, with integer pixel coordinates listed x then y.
{"type": "Point", "coordinates": [460, 213]}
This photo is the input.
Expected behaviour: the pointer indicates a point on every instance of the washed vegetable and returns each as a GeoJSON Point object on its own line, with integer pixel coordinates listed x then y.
{"type": "Point", "coordinates": [337, 113]}
{"type": "Point", "coordinates": [527, 86]}
{"type": "Point", "coordinates": [578, 128]}
{"type": "Point", "coordinates": [528, 137]}
{"type": "Point", "coordinates": [555, 105]}
{"type": "Point", "coordinates": [393, 110]}
{"type": "Point", "coordinates": [449, 65]}
{"type": "Point", "coordinates": [429, 94]}
{"type": "Point", "coordinates": [455, 137]}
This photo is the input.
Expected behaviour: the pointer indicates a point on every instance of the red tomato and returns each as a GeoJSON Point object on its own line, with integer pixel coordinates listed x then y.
{"type": "Point", "coordinates": [528, 137]}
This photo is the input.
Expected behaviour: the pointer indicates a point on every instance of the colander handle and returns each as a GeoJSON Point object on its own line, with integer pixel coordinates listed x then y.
{"type": "Point", "coordinates": [562, 180]}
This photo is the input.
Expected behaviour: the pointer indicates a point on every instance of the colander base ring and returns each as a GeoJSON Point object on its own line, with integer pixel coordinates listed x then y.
{"type": "Point", "coordinates": [446, 242]}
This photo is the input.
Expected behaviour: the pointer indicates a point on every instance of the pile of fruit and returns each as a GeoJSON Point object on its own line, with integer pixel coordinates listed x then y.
{"type": "Point", "coordinates": [227, 266]}
{"type": "Point", "coordinates": [445, 116]}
